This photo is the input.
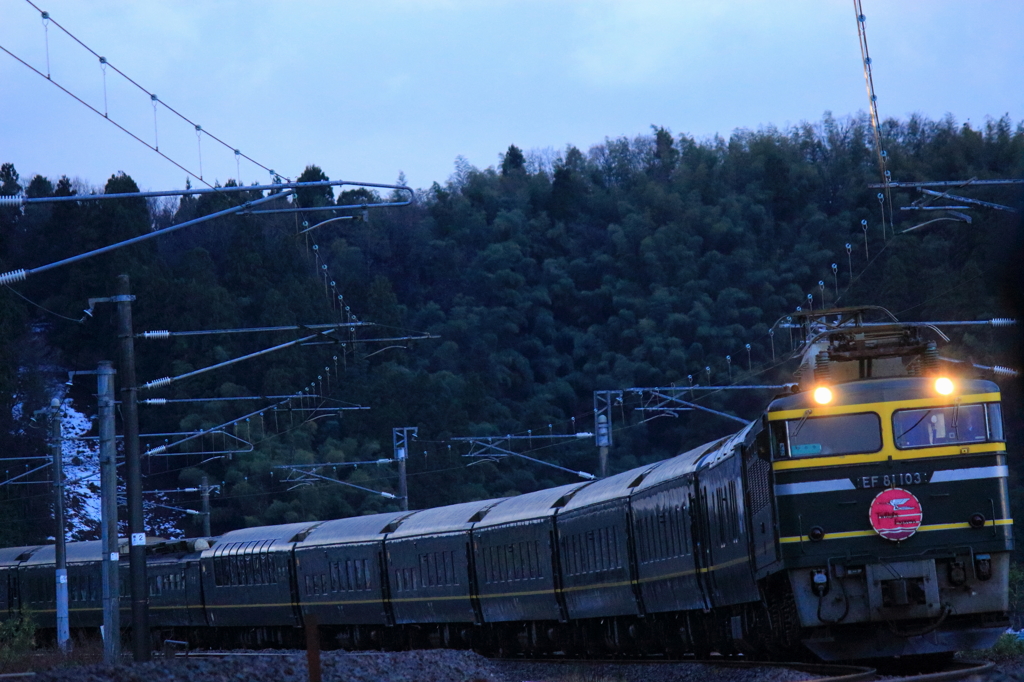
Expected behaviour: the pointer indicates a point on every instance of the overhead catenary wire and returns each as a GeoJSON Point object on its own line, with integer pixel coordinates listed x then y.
{"type": "Point", "coordinates": [45, 310]}
{"type": "Point", "coordinates": [103, 61]}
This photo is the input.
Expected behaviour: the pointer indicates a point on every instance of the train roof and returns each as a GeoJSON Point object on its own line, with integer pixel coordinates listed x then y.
{"type": "Point", "coordinates": [535, 505]}
{"type": "Point", "coordinates": [866, 391]}
{"type": "Point", "coordinates": [451, 518]}
{"type": "Point", "coordinates": [74, 552]}
{"type": "Point", "coordinates": [352, 529]}
{"type": "Point", "coordinates": [619, 485]}
{"type": "Point", "coordinates": [700, 457]}
{"type": "Point", "coordinates": [680, 465]}
{"type": "Point", "coordinates": [285, 532]}
{"type": "Point", "coordinates": [12, 556]}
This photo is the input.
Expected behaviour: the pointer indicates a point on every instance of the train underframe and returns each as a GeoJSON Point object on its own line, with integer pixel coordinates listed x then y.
{"type": "Point", "coordinates": [888, 609]}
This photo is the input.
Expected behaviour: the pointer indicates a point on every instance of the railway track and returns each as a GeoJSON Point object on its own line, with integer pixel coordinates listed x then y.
{"type": "Point", "coordinates": [554, 669]}
{"type": "Point", "coordinates": [549, 670]}
{"type": "Point", "coordinates": [453, 666]}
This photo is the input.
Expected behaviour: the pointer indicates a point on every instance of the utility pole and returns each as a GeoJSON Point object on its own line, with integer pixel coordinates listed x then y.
{"type": "Point", "coordinates": [400, 440]}
{"type": "Point", "coordinates": [603, 401]}
{"type": "Point", "coordinates": [108, 524]}
{"type": "Point", "coordinates": [204, 489]}
{"type": "Point", "coordinates": [57, 450]}
{"type": "Point", "coordinates": [133, 472]}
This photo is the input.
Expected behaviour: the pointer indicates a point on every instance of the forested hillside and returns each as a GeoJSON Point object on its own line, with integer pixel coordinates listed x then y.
{"type": "Point", "coordinates": [634, 263]}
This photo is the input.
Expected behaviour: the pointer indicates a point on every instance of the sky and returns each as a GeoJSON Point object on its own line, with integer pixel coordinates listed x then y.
{"type": "Point", "coordinates": [369, 90]}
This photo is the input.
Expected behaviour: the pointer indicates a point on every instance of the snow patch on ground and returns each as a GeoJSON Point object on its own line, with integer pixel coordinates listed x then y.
{"type": "Point", "coordinates": [82, 485]}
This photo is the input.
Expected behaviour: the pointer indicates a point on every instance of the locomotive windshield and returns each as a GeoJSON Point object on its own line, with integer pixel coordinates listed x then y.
{"type": "Point", "coordinates": [844, 434]}
{"type": "Point", "coordinates": [955, 425]}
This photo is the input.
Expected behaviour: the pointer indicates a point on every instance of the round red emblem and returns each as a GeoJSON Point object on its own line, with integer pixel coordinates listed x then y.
{"type": "Point", "coordinates": [895, 514]}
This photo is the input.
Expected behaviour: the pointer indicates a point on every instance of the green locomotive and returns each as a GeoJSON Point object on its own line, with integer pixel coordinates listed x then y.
{"type": "Point", "coordinates": [890, 482]}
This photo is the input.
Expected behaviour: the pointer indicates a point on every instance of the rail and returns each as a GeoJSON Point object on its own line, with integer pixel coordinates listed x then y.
{"type": "Point", "coordinates": [954, 670]}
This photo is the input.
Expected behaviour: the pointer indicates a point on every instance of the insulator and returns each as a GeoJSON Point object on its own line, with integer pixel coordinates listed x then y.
{"type": "Point", "coordinates": [1004, 371]}
{"type": "Point", "coordinates": [930, 358]}
{"type": "Point", "coordinates": [158, 334]}
{"type": "Point", "coordinates": [1003, 322]}
{"type": "Point", "coordinates": [158, 383]}
{"type": "Point", "coordinates": [822, 368]}
{"type": "Point", "coordinates": [11, 200]}
{"type": "Point", "coordinates": [13, 276]}
{"type": "Point", "coordinates": [155, 401]}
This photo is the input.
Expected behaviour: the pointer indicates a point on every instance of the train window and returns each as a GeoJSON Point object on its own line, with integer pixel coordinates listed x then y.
{"type": "Point", "coordinates": [734, 513]}
{"type": "Point", "coordinates": [720, 513]}
{"type": "Point", "coordinates": [425, 578]}
{"type": "Point", "coordinates": [652, 537]}
{"type": "Point", "coordinates": [929, 427]}
{"type": "Point", "coordinates": [842, 434]}
{"type": "Point", "coordinates": [995, 422]}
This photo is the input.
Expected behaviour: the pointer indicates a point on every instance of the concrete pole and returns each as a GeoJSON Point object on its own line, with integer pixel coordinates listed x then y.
{"type": "Point", "coordinates": [57, 450]}
{"type": "Point", "coordinates": [400, 443]}
{"type": "Point", "coordinates": [403, 484]}
{"type": "Point", "coordinates": [603, 441]}
{"type": "Point", "coordinates": [204, 489]}
{"type": "Point", "coordinates": [108, 524]}
{"type": "Point", "coordinates": [133, 473]}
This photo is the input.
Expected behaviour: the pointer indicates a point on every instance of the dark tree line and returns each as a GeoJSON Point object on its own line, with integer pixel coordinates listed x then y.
{"type": "Point", "coordinates": [637, 263]}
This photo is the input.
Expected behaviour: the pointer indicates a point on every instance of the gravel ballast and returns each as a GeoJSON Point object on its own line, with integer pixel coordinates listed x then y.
{"type": "Point", "coordinates": [406, 666]}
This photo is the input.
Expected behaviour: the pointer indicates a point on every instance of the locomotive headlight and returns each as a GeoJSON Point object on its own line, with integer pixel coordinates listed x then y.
{"type": "Point", "coordinates": [944, 386]}
{"type": "Point", "coordinates": [822, 395]}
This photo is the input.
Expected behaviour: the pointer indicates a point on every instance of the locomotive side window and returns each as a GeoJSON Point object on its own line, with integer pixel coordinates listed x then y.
{"type": "Point", "coordinates": [844, 434]}
{"type": "Point", "coordinates": [958, 424]}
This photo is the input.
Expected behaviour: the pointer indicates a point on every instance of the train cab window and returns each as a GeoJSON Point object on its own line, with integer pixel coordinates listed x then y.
{"type": "Point", "coordinates": [842, 434]}
{"type": "Point", "coordinates": [994, 412]}
{"type": "Point", "coordinates": [954, 425]}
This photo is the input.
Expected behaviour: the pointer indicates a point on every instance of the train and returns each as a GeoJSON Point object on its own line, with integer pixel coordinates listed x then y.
{"type": "Point", "coordinates": [864, 514]}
